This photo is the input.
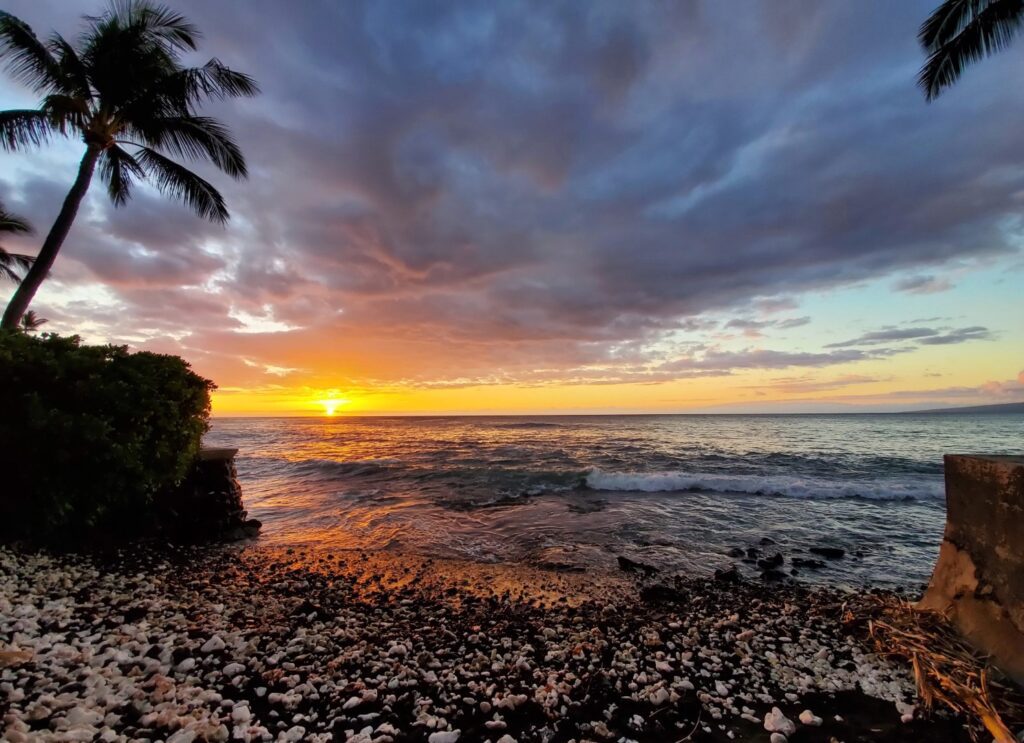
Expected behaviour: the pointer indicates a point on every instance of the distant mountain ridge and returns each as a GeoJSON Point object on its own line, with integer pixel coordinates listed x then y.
{"type": "Point", "coordinates": [1006, 407]}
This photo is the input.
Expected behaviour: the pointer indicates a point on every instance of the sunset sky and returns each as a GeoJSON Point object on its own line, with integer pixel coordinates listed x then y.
{"type": "Point", "coordinates": [567, 207]}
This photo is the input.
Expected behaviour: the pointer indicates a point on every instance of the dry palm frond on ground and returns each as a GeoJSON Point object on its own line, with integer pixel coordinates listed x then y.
{"type": "Point", "coordinates": [947, 669]}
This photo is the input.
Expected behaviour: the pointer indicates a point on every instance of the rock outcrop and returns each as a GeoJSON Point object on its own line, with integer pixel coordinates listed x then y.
{"type": "Point", "coordinates": [207, 506]}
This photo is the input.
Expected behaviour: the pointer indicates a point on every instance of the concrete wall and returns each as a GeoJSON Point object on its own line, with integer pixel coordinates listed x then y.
{"type": "Point", "coordinates": [979, 577]}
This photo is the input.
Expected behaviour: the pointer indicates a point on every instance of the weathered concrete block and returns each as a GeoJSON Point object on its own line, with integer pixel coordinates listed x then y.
{"type": "Point", "coordinates": [979, 577]}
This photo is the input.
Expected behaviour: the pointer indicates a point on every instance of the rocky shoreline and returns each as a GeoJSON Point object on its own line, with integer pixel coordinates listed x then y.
{"type": "Point", "coordinates": [250, 643]}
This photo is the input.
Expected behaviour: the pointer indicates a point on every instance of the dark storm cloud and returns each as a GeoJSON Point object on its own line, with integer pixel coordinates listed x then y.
{"type": "Point", "coordinates": [583, 174]}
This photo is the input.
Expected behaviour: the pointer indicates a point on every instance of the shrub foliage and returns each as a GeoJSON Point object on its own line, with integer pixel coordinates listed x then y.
{"type": "Point", "coordinates": [89, 434]}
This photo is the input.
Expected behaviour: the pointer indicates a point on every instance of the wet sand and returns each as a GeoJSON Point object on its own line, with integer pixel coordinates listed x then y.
{"type": "Point", "coordinates": [251, 643]}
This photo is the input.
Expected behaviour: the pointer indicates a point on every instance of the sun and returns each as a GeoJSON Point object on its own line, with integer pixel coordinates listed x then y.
{"type": "Point", "coordinates": [331, 405]}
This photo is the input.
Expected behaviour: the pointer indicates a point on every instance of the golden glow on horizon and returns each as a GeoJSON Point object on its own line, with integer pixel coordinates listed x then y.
{"type": "Point", "coordinates": [897, 382]}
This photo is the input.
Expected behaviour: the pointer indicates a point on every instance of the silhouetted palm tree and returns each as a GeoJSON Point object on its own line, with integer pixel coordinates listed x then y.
{"type": "Point", "coordinates": [125, 92]}
{"type": "Point", "coordinates": [959, 32]}
{"type": "Point", "coordinates": [31, 322]}
{"type": "Point", "coordinates": [10, 261]}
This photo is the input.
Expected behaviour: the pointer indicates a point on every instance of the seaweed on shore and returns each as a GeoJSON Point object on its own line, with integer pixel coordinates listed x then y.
{"type": "Point", "coordinates": [946, 668]}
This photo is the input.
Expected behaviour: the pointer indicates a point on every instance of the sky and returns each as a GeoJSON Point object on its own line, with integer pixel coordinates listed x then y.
{"type": "Point", "coordinates": [567, 207]}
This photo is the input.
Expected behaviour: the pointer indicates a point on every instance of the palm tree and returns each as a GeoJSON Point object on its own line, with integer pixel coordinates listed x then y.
{"type": "Point", "coordinates": [31, 322]}
{"type": "Point", "coordinates": [959, 32]}
{"type": "Point", "coordinates": [10, 261]}
{"type": "Point", "coordinates": [124, 90]}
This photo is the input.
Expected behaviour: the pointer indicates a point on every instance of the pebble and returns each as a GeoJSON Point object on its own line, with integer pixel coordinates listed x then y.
{"type": "Point", "coordinates": [809, 718]}
{"type": "Point", "coordinates": [246, 646]}
{"type": "Point", "coordinates": [776, 722]}
{"type": "Point", "coordinates": [213, 645]}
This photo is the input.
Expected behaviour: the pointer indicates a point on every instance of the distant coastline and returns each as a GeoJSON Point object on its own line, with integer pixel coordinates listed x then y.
{"type": "Point", "coordinates": [1006, 407]}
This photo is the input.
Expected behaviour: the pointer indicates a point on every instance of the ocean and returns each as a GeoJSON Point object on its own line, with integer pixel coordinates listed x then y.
{"type": "Point", "coordinates": [576, 492]}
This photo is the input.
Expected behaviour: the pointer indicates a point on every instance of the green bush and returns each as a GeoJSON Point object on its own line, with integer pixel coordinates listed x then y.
{"type": "Point", "coordinates": [89, 434]}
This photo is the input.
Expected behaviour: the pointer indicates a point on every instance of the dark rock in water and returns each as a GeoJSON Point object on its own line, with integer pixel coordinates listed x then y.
{"type": "Point", "coordinates": [831, 553]}
{"type": "Point", "coordinates": [735, 552]}
{"type": "Point", "coordinates": [248, 529]}
{"type": "Point", "coordinates": [730, 575]}
{"type": "Point", "coordinates": [803, 562]}
{"type": "Point", "coordinates": [766, 541]}
{"type": "Point", "coordinates": [661, 594]}
{"type": "Point", "coordinates": [632, 566]}
{"type": "Point", "coordinates": [752, 552]}
{"type": "Point", "coordinates": [770, 562]}
{"type": "Point", "coordinates": [772, 575]}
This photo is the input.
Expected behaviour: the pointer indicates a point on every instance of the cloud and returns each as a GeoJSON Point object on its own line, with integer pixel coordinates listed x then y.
{"type": "Point", "coordinates": [924, 336]}
{"type": "Point", "coordinates": [752, 328]}
{"type": "Point", "coordinates": [887, 335]}
{"type": "Point", "coordinates": [514, 192]}
{"type": "Point", "coordinates": [808, 384]}
{"type": "Point", "coordinates": [960, 335]}
{"type": "Point", "coordinates": [923, 285]}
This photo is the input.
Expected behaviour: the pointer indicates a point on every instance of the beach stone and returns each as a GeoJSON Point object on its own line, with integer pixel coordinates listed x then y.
{"type": "Point", "coordinates": [804, 562]}
{"type": "Point", "coordinates": [776, 722]}
{"type": "Point", "coordinates": [444, 737]}
{"type": "Point", "coordinates": [213, 645]}
{"type": "Point", "coordinates": [729, 575]}
{"type": "Point", "coordinates": [661, 594]}
{"type": "Point", "coordinates": [632, 566]}
{"type": "Point", "coordinates": [809, 718]}
{"type": "Point", "coordinates": [831, 553]}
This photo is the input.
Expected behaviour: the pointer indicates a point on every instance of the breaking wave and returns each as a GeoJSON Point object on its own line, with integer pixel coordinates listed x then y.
{"type": "Point", "coordinates": [919, 488]}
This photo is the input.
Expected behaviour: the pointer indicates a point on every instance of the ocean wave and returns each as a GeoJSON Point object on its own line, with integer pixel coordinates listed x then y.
{"type": "Point", "coordinates": [353, 467]}
{"type": "Point", "coordinates": [528, 424]}
{"type": "Point", "coordinates": [795, 487]}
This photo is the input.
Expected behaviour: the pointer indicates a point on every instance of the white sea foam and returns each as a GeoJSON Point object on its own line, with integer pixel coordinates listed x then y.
{"type": "Point", "coordinates": [919, 488]}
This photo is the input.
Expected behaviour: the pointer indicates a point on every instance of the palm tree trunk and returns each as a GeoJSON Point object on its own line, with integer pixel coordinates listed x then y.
{"type": "Point", "coordinates": [51, 246]}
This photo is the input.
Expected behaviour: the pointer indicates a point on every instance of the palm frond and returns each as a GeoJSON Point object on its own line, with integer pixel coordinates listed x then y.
{"type": "Point", "coordinates": [11, 261]}
{"type": "Point", "coordinates": [28, 59]}
{"type": "Point", "coordinates": [118, 169]}
{"type": "Point", "coordinates": [217, 80]}
{"type": "Point", "coordinates": [74, 73]}
{"type": "Point", "coordinates": [177, 181]}
{"type": "Point", "coordinates": [947, 21]}
{"type": "Point", "coordinates": [11, 223]}
{"type": "Point", "coordinates": [988, 32]}
{"type": "Point", "coordinates": [213, 80]}
{"type": "Point", "coordinates": [155, 21]}
{"type": "Point", "coordinates": [24, 128]}
{"type": "Point", "coordinates": [195, 138]}
{"type": "Point", "coordinates": [65, 113]}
